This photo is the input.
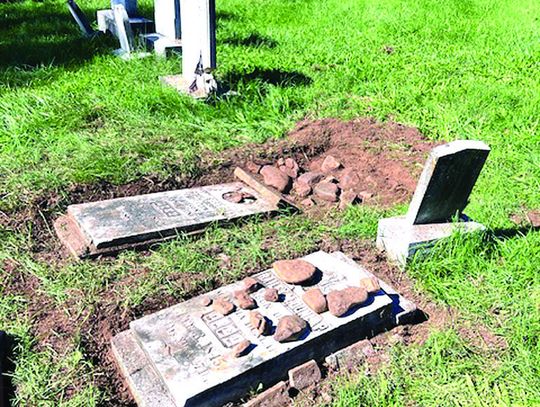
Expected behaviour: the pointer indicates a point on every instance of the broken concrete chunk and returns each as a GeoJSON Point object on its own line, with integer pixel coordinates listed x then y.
{"type": "Point", "coordinates": [290, 328]}
{"type": "Point", "coordinates": [326, 191]}
{"type": "Point", "coordinates": [303, 376]}
{"type": "Point", "coordinates": [314, 299]}
{"type": "Point", "coordinates": [330, 163]}
{"type": "Point", "coordinates": [275, 178]}
{"type": "Point", "coordinates": [341, 301]}
{"type": "Point", "coordinates": [370, 284]}
{"type": "Point", "coordinates": [294, 271]}
{"type": "Point", "coordinates": [223, 306]}
{"type": "Point", "coordinates": [244, 300]}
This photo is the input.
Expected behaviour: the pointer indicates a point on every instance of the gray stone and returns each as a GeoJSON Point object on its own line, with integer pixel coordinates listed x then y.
{"type": "Point", "coordinates": [111, 225]}
{"type": "Point", "coordinates": [187, 345]}
{"type": "Point", "coordinates": [441, 195]}
{"type": "Point", "coordinates": [446, 182]}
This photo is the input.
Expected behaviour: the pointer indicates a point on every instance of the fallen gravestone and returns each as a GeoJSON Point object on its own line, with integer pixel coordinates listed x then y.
{"type": "Point", "coordinates": [185, 355]}
{"type": "Point", "coordinates": [441, 195]}
{"type": "Point", "coordinates": [96, 228]}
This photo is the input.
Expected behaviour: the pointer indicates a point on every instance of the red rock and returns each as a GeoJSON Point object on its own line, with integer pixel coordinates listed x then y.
{"type": "Point", "coordinates": [271, 295]}
{"type": "Point", "coordinates": [349, 179]}
{"type": "Point", "coordinates": [259, 322]}
{"type": "Point", "coordinates": [534, 218]}
{"type": "Point", "coordinates": [347, 198]}
{"type": "Point", "coordinates": [370, 284]}
{"type": "Point", "coordinates": [223, 306]}
{"type": "Point", "coordinates": [301, 189]}
{"type": "Point", "coordinates": [275, 396]}
{"type": "Point", "coordinates": [310, 178]}
{"type": "Point", "coordinates": [331, 179]}
{"type": "Point", "coordinates": [244, 300]}
{"type": "Point", "coordinates": [290, 167]}
{"type": "Point", "coordinates": [330, 163]}
{"type": "Point", "coordinates": [275, 178]}
{"type": "Point", "coordinates": [305, 375]}
{"type": "Point", "coordinates": [340, 301]}
{"type": "Point", "coordinates": [290, 328]}
{"type": "Point", "coordinates": [315, 300]}
{"type": "Point", "coordinates": [308, 203]}
{"type": "Point", "coordinates": [205, 301]}
{"type": "Point", "coordinates": [294, 271]}
{"type": "Point", "coordinates": [326, 191]}
{"type": "Point", "coordinates": [250, 284]}
{"type": "Point", "coordinates": [253, 167]}
{"type": "Point", "coordinates": [241, 349]}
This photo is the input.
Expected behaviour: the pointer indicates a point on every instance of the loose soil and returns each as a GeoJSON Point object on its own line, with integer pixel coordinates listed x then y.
{"type": "Point", "coordinates": [388, 157]}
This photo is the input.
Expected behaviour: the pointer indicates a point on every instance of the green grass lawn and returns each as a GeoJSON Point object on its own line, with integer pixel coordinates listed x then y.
{"type": "Point", "coordinates": [71, 113]}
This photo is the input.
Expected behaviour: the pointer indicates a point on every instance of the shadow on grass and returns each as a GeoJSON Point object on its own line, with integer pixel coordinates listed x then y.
{"type": "Point", "coordinates": [275, 77]}
{"type": "Point", "coordinates": [253, 40]}
{"type": "Point", "coordinates": [7, 367]}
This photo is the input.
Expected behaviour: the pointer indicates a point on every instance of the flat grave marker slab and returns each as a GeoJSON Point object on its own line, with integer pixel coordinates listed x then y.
{"type": "Point", "coordinates": [185, 347]}
{"type": "Point", "coordinates": [108, 226]}
{"type": "Point", "coordinates": [442, 193]}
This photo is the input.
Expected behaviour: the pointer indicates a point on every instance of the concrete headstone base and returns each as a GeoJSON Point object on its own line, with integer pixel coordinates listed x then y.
{"type": "Point", "coordinates": [401, 240]}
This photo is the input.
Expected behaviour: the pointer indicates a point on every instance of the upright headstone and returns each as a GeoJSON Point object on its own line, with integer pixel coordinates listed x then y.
{"type": "Point", "coordinates": [182, 356]}
{"type": "Point", "coordinates": [441, 195]}
{"type": "Point", "coordinates": [123, 30]}
{"type": "Point", "coordinates": [80, 18]}
{"type": "Point", "coordinates": [167, 18]}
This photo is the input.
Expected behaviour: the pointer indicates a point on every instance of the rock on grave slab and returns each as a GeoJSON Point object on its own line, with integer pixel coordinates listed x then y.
{"type": "Point", "coordinates": [295, 271]}
{"type": "Point", "coordinates": [442, 193]}
{"type": "Point", "coordinates": [187, 345]}
{"type": "Point", "coordinates": [108, 226]}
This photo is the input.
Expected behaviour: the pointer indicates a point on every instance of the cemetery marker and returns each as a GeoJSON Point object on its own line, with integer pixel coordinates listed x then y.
{"type": "Point", "coordinates": [441, 195]}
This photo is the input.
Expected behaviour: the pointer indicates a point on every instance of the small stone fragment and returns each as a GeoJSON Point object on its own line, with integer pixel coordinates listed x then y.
{"type": "Point", "coordinates": [271, 295]}
{"type": "Point", "coordinates": [310, 178]}
{"type": "Point", "coordinates": [331, 179]}
{"type": "Point", "coordinates": [275, 396]}
{"type": "Point", "coordinates": [290, 167]}
{"type": "Point", "coordinates": [534, 218]}
{"type": "Point", "coordinates": [244, 300]}
{"type": "Point", "coordinates": [290, 328]}
{"type": "Point", "coordinates": [346, 199]}
{"type": "Point", "coordinates": [308, 203]}
{"type": "Point", "coordinates": [234, 197]}
{"type": "Point", "coordinates": [314, 299]}
{"type": "Point", "coordinates": [301, 189]}
{"type": "Point", "coordinates": [330, 163]}
{"type": "Point", "coordinates": [370, 284]}
{"type": "Point", "coordinates": [250, 284]}
{"type": "Point", "coordinates": [349, 179]}
{"type": "Point", "coordinates": [222, 306]}
{"type": "Point", "coordinates": [305, 375]}
{"type": "Point", "coordinates": [275, 178]}
{"type": "Point", "coordinates": [296, 271]}
{"type": "Point", "coordinates": [259, 322]}
{"type": "Point", "coordinates": [365, 195]}
{"type": "Point", "coordinates": [241, 349]}
{"type": "Point", "coordinates": [341, 301]}
{"type": "Point", "coordinates": [205, 301]}
{"type": "Point", "coordinates": [326, 191]}
{"type": "Point", "coordinates": [253, 167]}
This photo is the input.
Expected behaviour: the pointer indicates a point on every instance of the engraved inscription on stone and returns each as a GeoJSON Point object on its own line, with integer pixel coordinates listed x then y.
{"type": "Point", "coordinates": [155, 216]}
{"type": "Point", "coordinates": [188, 343]}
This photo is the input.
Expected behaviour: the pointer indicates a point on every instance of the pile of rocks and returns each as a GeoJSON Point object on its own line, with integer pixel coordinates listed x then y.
{"type": "Point", "coordinates": [290, 327]}
{"type": "Point", "coordinates": [332, 184]}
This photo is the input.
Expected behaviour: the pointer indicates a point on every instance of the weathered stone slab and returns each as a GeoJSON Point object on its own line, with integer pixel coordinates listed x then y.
{"type": "Point", "coordinates": [446, 182]}
{"type": "Point", "coordinates": [188, 345]}
{"type": "Point", "coordinates": [441, 195]}
{"type": "Point", "coordinates": [111, 225]}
